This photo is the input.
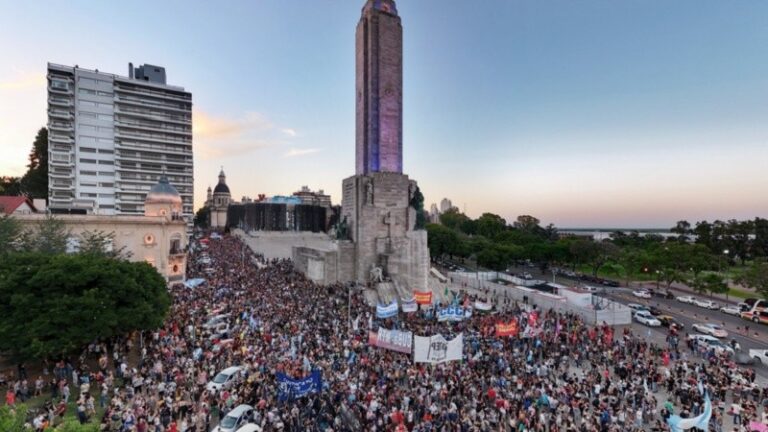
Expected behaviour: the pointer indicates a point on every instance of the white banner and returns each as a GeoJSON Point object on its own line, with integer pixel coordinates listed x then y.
{"type": "Point", "coordinates": [436, 349]}
{"type": "Point", "coordinates": [409, 306]}
{"type": "Point", "coordinates": [481, 306]}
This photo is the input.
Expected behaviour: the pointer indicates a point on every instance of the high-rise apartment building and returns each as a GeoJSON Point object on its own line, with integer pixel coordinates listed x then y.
{"type": "Point", "coordinates": [111, 138]}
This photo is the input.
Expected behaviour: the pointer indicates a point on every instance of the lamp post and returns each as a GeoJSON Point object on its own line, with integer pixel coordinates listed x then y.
{"type": "Point", "coordinates": [720, 270]}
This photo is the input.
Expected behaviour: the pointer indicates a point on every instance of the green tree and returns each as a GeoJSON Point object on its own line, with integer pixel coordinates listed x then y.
{"type": "Point", "coordinates": [631, 260]}
{"type": "Point", "coordinates": [527, 223]}
{"type": "Point", "coordinates": [52, 305]}
{"type": "Point", "coordinates": [453, 218]}
{"type": "Point", "coordinates": [756, 277]}
{"type": "Point", "coordinates": [442, 240]}
{"type": "Point", "coordinates": [202, 216]}
{"type": "Point", "coordinates": [683, 231]}
{"type": "Point", "coordinates": [10, 234]}
{"type": "Point", "coordinates": [13, 420]}
{"type": "Point", "coordinates": [34, 183]}
{"type": "Point", "coordinates": [101, 243]}
{"type": "Point", "coordinates": [708, 282]}
{"type": "Point", "coordinates": [73, 425]}
{"type": "Point", "coordinates": [49, 236]}
{"type": "Point", "coordinates": [490, 225]}
{"type": "Point", "coordinates": [10, 186]}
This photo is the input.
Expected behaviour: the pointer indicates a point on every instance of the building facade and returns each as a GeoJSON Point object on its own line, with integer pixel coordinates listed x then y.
{"type": "Point", "coordinates": [218, 202]}
{"type": "Point", "coordinates": [157, 237]}
{"type": "Point", "coordinates": [112, 137]}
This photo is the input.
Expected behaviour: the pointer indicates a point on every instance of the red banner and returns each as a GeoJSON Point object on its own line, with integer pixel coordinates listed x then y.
{"type": "Point", "coordinates": [506, 329]}
{"type": "Point", "coordinates": [423, 297]}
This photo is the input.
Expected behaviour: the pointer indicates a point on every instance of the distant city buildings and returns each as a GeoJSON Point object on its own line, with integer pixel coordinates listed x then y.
{"type": "Point", "coordinates": [112, 137]}
{"type": "Point", "coordinates": [435, 212]}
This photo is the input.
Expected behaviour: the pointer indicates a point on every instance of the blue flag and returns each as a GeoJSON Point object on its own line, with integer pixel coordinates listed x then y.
{"type": "Point", "coordinates": [290, 389]}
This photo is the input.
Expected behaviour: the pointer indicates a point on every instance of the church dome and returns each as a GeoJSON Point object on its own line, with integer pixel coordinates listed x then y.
{"type": "Point", "coordinates": [221, 188]}
{"type": "Point", "coordinates": [163, 192]}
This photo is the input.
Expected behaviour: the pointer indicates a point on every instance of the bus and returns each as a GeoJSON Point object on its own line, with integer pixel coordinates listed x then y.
{"type": "Point", "coordinates": [755, 310]}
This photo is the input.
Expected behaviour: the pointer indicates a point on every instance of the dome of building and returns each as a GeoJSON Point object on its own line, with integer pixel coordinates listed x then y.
{"type": "Point", "coordinates": [163, 192]}
{"type": "Point", "coordinates": [221, 188]}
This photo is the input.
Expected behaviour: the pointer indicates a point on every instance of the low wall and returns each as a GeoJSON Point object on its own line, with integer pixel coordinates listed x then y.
{"type": "Point", "coordinates": [600, 310]}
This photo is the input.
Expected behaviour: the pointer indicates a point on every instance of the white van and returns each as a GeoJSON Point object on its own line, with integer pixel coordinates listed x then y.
{"type": "Point", "coordinates": [250, 427]}
{"type": "Point", "coordinates": [235, 419]}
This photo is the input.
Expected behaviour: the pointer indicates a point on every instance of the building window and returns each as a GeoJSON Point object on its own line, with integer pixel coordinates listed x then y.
{"type": "Point", "coordinates": [87, 150]}
{"type": "Point", "coordinates": [91, 161]}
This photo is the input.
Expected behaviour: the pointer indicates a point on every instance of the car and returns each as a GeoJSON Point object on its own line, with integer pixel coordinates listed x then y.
{"type": "Point", "coordinates": [759, 355]}
{"type": "Point", "coordinates": [611, 283]}
{"type": "Point", "coordinates": [642, 294]}
{"type": "Point", "coordinates": [710, 329]}
{"type": "Point", "coordinates": [635, 306]}
{"type": "Point", "coordinates": [711, 342]}
{"type": "Point", "coordinates": [590, 288]}
{"type": "Point", "coordinates": [224, 379]}
{"type": "Point", "coordinates": [235, 419]}
{"type": "Point", "coordinates": [731, 310]}
{"type": "Point", "coordinates": [645, 317]}
{"type": "Point", "coordinates": [663, 294]}
{"type": "Point", "coordinates": [527, 276]}
{"type": "Point", "coordinates": [686, 299]}
{"type": "Point", "coordinates": [706, 304]}
{"type": "Point", "coordinates": [669, 321]}
{"type": "Point", "coordinates": [250, 427]}
{"type": "Point", "coordinates": [654, 310]}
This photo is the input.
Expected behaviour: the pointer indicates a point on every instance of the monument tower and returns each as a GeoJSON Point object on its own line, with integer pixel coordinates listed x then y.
{"type": "Point", "coordinates": [379, 84]}
{"type": "Point", "coordinates": [380, 203]}
{"type": "Point", "coordinates": [380, 240]}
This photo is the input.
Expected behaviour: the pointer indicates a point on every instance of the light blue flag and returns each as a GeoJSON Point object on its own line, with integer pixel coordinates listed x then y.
{"type": "Point", "coordinates": [701, 421]}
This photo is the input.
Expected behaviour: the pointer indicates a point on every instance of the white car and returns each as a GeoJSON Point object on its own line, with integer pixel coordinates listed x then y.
{"type": "Point", "coordinates": [711, 342]}
{"type": "Point", "coordinates": [250, 427]}
{"type": "Point", "coordinates": [760, 356]}
{"type": "Point", "coordinates": [235, 419]}
{"type": "Point", "coordinates": [642, 294]}
{"type": "Point", "coordinates": [686, 299]}
{"type": "Point", "coordinates": [710, 329]}
{"type": "Point", "coordinates": [224, 379]}
{"type": "Point", "coordinates": [645, 317]}
{"type": "Point", "coordinates": [635, 306]}
{"type": "Point", "coordinates": [731, 310]}
{"type": "Point", "coordinates": [706, 304]}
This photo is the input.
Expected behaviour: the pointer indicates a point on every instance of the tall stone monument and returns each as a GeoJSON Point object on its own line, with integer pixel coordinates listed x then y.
{"type": "Point", "coordinates": [380, 203]}
{"type": "Point", "coordinates": [381, 239]}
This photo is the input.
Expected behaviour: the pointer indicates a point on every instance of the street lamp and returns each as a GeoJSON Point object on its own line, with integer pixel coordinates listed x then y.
{"type": "Point", "coordinates": [725, 278]}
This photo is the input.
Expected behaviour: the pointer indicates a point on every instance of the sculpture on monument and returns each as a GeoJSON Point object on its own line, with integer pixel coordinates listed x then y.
{"type": "Point", "coordinates": [376, 274]}
{"type": "Point", "coordinates": [417, 203]}
{"type": "Point", "coordinates": [342, 230]}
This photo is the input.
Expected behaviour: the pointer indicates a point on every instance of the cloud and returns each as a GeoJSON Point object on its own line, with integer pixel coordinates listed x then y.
{"type": "Point", "coordinates": [290, 132]}
{"type": "Point", "coordinates": [219, 136]}
{"type": "Point", "coordinates": [300, 152]}
{"type": "Point", "coordinates": [24, 82]}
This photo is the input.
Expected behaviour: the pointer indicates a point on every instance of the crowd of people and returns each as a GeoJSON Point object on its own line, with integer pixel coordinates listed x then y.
{"type": "Point", "coordinates": [560, 375]}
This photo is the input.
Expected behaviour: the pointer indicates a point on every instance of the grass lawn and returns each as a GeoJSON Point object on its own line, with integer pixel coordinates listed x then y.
{"type": "Point", "coordinates": [742, 294]}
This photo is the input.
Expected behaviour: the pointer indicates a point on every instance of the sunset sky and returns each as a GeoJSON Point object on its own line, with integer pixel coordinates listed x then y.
{"type": "Point", "coordinates": [582, 113]}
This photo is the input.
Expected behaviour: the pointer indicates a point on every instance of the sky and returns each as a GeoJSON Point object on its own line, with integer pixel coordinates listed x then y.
{"type": "Point", "coordinates": [581, 113]}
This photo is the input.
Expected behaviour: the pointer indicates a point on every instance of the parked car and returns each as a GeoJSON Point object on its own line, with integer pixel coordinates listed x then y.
{"type": "Point", "coordinates": [527, 276]}
{"type": "Point", "coordinates": [731, 310]}
{"type": "Point", "coordinates": [669, 321]}
{"type": "Point", "coordinates": [710, 329]}
{"type": "Point", "coordinates": [611, 283]}
{"type": "Point", "coordinates": [635, 306]}
{"type": "Point", "coordinates": [224, 379]}
{"type": "Point", "coordinates": [743, 358]}
{"type": "Point", "coordinates": [711, 342]}
{"type": "Point", "coordinates": [663, 294]}
{"type": "Point", "coordinates": [706, 304]}
{"type": "Point", "coordinates": [642, 294]}
{"type": "Point", "coordinates": [235, 419]}
{"type": "Point", "coordinates": [250, 427]}
{"type": "Point", "coordinates": [654, 310]}
{"type": "Point", "coordinates": [760, 356]}
{"type": "Point", "coordinates": [645, 317]}
{"type": "Point", "coordinates": [686, 299]}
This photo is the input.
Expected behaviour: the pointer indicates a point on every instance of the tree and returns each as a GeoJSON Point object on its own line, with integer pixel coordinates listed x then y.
{"type": "Point", "coordinates": [683, 230]}
{"type": "Point", "coordinates": [13, 420]}
{"type": "Point", "coordinates": [34, 183]}
{"type": "Point", "coordinates": [756, 277]}
{"type": "Point", "coordinates": [709, 282]}
{"type": "Point", "coordinates": [760, 243]}
{"type": "Point", "coordinates": [453, 218]}
{"type": "Point", "coordinates": [52, 305]}
{"type": "Point", "coordinates": [631, 260]}
{"type": "Point", "coordinates": [102, 244]}
{"type": "Point", "coordinates": [490, 225]}
{"type": "Point", "coordinates": [10, 186]}
{"type": "Point", "coordinates": [10, 233]}
{"type": "Point", "coordinates": [202, 216]}
{"type": "Point", "coordinates": [50, 236]}
{"type": "Point", "coordinates": [583, 251]}
{"type": "Point", "coordinates": [527, 223]}
{"type": "Point", "coordinates": [442, 240]}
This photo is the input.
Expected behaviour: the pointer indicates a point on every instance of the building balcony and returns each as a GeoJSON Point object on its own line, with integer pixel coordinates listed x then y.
{"type": "Point", "coordinates": [55, 175]}
{"type": "Point", "coordinates": [143, 127]}
{"type": "Point", "coordinates": [62, 102]}
{"type": "Point", "coordinates": [61, 139]}
{"type": "Point", "coordinates": [149, 105]}
{"type": "Point", "coordinates": [143, 114]}
{"type": "Point", "coordinates": [64, 127]}
{"type": "Point", "coordinates": [60, 90]}
{"type": "Point", "coordinates": [145, 92]}
{"type": "Point", "coordinates": [66, 115]}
